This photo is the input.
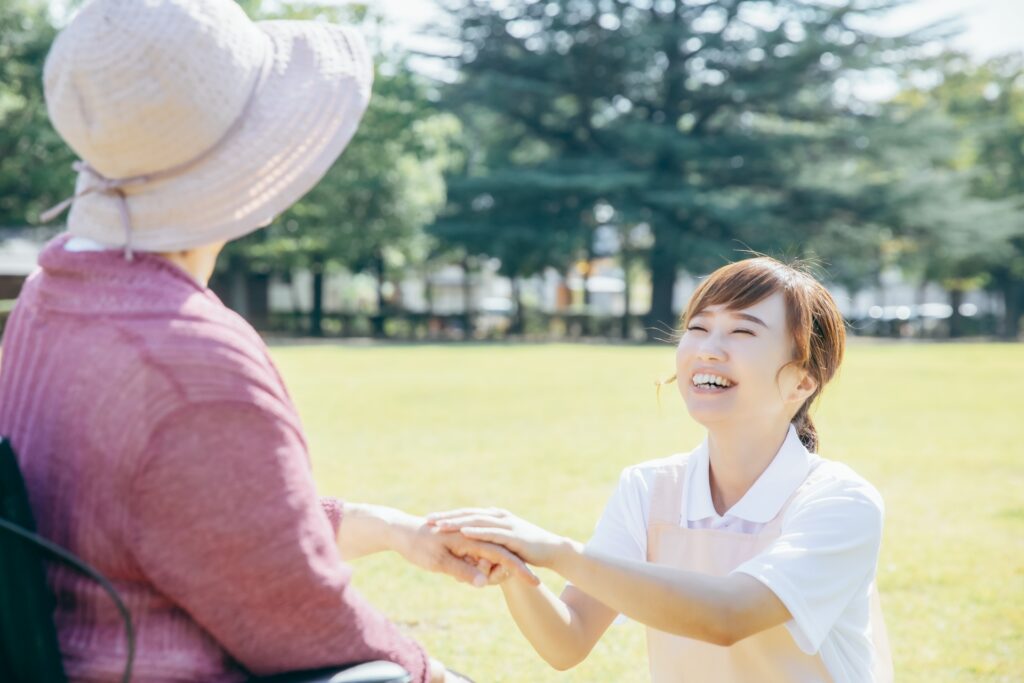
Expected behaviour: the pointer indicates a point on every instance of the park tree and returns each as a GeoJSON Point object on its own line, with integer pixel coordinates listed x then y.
{"type": "Point", "coordinates": [35, 164]}
{"type": "Point", "coordinates": [368, 212]}
{"type": "Point", "coordinates": [951, 213]}
{"type": "Point", "coordinates": [930, 201]}
{"type": "Point", "coordinates": [704, 121]}
{"type": "Point", "coordinates": [985, 101]}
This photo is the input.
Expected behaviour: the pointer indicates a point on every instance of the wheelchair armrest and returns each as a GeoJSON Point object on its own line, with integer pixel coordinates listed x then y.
{"type": "Point", "coordinates": [371, 672]}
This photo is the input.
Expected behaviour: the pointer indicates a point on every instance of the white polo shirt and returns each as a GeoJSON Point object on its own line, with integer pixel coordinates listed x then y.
{"type": "Point", "coordinates": [822, 564]}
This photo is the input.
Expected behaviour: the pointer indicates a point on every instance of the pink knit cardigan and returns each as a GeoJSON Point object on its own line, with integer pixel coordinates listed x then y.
{"type": "Point", "coordinates": [158, 443]}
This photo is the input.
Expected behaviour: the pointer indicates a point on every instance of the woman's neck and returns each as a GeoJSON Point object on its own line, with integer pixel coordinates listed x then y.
{"type": "Point", "coordinates": [738, 457]}
{"type": "Point", "coordinates": [198, 262]}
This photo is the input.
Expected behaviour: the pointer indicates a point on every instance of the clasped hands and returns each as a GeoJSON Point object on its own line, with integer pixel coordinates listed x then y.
{"type": "Point", "coordinates": [500, 545]}
{"type": "Point", "coordinates": [478, 546]}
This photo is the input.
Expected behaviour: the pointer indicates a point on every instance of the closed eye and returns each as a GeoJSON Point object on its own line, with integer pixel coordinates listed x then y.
{"type": "Point", "coordinates": [698, 327]}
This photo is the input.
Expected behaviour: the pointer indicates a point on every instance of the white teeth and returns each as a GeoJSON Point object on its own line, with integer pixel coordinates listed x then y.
{"type": "Point", "coordinates": [711, 379]}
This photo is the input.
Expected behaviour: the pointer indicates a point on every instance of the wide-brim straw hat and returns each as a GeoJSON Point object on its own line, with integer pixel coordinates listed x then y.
{"type": "Point", "coordinates": [195, 124]}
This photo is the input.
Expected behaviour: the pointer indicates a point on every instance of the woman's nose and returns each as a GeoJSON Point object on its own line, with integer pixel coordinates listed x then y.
{"type": "Point", "coordinates": [710, 347]}
{"type": "Point", "coordinates": [709, 354]}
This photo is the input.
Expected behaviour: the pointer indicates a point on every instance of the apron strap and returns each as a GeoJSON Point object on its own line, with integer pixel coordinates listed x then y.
{"type": "Point", "coordinates": [668, 494]}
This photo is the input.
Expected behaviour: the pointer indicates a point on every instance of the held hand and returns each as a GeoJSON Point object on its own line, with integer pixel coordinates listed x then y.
{"type": "Point", "coordinates": [468, 560]}
{"type": "Point", "coordinates": [495, 573]}
{"type": "Point", "coordinates": [438, 674]}
{"type": "Point", "coordinates": [530, 542]}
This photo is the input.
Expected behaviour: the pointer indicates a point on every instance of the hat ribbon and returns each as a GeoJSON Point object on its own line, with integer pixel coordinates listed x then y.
{"type": "Point", "coordinates": [109, 186]}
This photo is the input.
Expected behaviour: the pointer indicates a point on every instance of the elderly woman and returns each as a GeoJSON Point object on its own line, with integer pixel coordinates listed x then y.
{"type": "Point", "coordinates": [157, 439]}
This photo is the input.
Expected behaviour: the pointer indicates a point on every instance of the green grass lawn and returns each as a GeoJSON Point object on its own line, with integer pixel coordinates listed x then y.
{"type": "Point", "coordinates": [545, 430]}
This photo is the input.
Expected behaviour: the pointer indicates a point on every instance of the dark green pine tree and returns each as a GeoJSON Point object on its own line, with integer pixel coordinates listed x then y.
{"type": "Point", "coordinates": [703, 120]}
{"type": "Point", "coordinates": [35, 164]}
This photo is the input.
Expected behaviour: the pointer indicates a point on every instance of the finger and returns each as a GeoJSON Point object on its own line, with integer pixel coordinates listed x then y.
{"type": "Point", "coordinates": [462, 571]}
{"type": "Point", "coordinates": [498, 553]}
{"type": "Point", "coordinates": [501, 553]}
{"type": "Point", "coordinates": [460, 512]}
{"type": "Point", "coordinates": [498, 574]}
{"type": "Point", "coordinates": [473, 520]}
{"type": "Point", "coordinates": [491, 535]}
{"type": "Point", "coordinates": [485, 566]}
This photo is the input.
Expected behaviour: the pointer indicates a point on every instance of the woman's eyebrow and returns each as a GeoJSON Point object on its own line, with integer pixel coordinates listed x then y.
{"type": "Point", "coordinates": [745, 316]}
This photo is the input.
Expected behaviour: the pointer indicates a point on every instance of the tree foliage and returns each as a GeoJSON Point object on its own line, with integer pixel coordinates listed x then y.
{"type": "Point", "coordinates": [35, 164]}
{"type": "Point", "coordinates": [707, 121]}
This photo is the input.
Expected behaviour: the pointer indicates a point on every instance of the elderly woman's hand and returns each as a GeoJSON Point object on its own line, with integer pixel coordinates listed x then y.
{"type": "Point", "coordinates": [439, 674]}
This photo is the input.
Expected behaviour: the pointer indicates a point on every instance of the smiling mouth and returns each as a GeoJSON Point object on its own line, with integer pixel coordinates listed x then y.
{"type": "Point", "coordinates": [711, 384]}
{"type": "Point", "coordinates": [711, 381]}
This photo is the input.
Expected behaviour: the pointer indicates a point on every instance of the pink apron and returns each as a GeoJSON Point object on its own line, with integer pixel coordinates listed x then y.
{"type": "Point", "coordinates": [766, 657]}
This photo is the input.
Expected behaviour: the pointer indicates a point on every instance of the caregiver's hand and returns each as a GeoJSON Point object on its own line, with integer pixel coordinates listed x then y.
{"type": "Point", "coordinates": [530, 542]}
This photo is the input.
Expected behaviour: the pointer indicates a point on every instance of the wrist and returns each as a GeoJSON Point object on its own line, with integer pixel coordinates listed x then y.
{"type": "Point", "coordinates": [565, 552]}
{"type": "Point", "coordinates": [375, 528]}
{"type": "Point", "coordinates": [402, 532]}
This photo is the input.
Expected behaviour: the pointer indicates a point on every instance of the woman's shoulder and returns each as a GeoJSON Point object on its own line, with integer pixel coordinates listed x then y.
{"type": "Point", "coordinates": [674, 460]}
{"type": "Point", "coordinates": [833, 483]}
{"type": "Point", "coordinates": [642, 475]}
{"type": "Point", "coordinates": [204, 353]}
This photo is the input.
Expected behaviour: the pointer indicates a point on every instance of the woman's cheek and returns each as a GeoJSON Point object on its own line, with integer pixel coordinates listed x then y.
{"type": "Point", "coordinates": [681, 355]}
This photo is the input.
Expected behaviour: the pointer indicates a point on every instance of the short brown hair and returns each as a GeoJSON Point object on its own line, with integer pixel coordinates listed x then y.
{"type": "Point", "coordinates": [817, 326]}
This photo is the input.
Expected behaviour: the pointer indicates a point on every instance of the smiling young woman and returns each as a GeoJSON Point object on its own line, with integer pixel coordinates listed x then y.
{"type": "Point", "coordinates": [749, 558]}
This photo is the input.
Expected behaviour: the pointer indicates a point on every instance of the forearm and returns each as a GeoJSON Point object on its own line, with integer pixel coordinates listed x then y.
{"type": "Point", "coordinates": [675, 601]}
{"type": "Point", "coordinates": [367, 529]}
{"type": "Point", "coordinates": [551, 626]}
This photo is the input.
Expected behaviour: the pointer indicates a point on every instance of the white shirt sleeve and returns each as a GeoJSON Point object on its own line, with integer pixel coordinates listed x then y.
{"type": "Point", "coordinates": [825, 556]}
{"type": "Point", "coordinates": [622, 529]}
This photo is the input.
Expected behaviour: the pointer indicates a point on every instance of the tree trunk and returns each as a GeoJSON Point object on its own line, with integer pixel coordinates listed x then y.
{"type": "Point", "coordinates": [258, 299]}
{"type": "Point", "coordinates": [1012, 290]}
{"type": "Point", "coordinates": [624, 328]}
{"type": "Point", "coordinates": [586, 288]}
{"type": "Point", "coordinates": [382, 305]}
{"type": "Point", "coordinates": [661, 320]}
{"type": "Point", "coordinates": [956, 321]}
{"type": "Point", "coordinates": [316, 315]}
{"type": "Point", "coordinates": [1014, 297]}
{"type": "Point", "coordinates": [428, 291]}
{"type": "Point", "coordinates": [467, 300]}
{"type": "Point", "coordinates": [518, 325]}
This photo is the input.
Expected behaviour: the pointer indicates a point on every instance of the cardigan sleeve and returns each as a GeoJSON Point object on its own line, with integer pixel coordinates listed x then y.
{"type": "Point", "coordinates": [334, 509]}
{"type": "Point", "coordinates": [227, 524]}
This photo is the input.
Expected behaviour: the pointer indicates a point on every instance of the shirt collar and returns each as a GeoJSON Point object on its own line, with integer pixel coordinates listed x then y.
{"type": "Point", "coordinates": [78, 243]}
{"type": "Point", "coordinates": [762, 502]}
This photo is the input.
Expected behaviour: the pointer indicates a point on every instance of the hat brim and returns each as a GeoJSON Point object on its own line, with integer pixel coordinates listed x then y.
{"type": "Point", "coordinates": [306, 108]}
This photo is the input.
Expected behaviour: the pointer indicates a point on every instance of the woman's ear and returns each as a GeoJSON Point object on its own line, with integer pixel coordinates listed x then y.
{"type": "Point", "coordinates": [808, 385]}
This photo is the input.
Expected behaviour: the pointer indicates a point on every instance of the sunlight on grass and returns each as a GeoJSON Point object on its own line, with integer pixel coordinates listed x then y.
{"type": "Point", "coordinates": [545, 430]}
